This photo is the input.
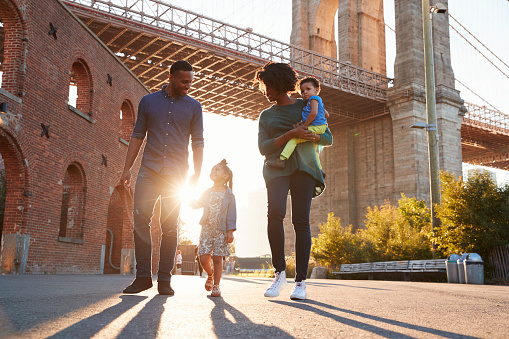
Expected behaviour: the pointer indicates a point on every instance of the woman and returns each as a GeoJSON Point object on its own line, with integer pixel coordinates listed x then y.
{"type": "Point", "coordinates": [301, 175]}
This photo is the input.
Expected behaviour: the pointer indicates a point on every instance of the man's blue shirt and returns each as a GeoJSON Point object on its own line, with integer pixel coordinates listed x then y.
{"type": "Point", "coordinates": [168, 123]}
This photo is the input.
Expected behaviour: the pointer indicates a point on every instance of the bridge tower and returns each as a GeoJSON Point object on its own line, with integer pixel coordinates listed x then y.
{"type": "Point", "coordinates": [407, 100]}
{"type": "Point", "coordinates": [378, 159]}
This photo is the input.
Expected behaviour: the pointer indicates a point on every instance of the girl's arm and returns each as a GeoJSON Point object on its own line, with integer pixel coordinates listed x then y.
{"type": "Point", "coordinates": [326, 113]}
{"type": "Point", "coordinates": [198, 203]}
{"type": "Point", "coordinates": [231, 217]}
{"type": "Point", "coordinates": [314, 111]}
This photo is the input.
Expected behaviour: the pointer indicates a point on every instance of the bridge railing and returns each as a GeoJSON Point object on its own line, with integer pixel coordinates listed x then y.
{"type": "Point", "coordinates": [161, 15]}
{"type": "Point", "coordinates": [484, 117]}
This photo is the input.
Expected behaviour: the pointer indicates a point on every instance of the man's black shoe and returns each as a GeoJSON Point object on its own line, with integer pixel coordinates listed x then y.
{"type": "Point", "coordinates": [164, 288]}
{"type": "Point", "coordinates": [139, 284]}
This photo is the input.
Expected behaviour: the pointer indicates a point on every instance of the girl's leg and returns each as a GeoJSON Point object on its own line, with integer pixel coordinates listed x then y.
{"type": "Point", "coordinates": [302, 186]}
{"type": "Point", "coordinates": [277, 192]}
{"type": "Point", "coordinates": [218, 272]}
{"type": "Point", "coordinates": [205, 263]}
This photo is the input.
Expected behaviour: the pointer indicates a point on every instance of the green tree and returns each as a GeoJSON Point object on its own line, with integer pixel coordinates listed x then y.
{"type": "Point", "coordinates": [474, 214]}
{"type": "Point", "coordinates": [337, 244]}
{"type": "Point", "coordinates": [398, 233]}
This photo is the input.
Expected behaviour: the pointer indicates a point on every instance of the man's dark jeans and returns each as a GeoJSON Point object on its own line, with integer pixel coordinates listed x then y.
{"type": "Point", "coordinates": [149, 186]}
{"type": "Point", "coordinates": [301, 186]}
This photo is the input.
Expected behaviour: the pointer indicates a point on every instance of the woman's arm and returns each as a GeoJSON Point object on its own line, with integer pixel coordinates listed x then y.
{"type": "Point", "coordinates": [323, 139]}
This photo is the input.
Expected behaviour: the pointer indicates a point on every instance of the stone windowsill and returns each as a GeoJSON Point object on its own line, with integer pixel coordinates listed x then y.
{"type": "Point", "coordinates": [81, 114]}
{"type": "Point", "coordinates": [123, 141]}
{"type": "Point", "coordinates": [71, 240]}
{"type": "Point", "coordinates": [10, 96]}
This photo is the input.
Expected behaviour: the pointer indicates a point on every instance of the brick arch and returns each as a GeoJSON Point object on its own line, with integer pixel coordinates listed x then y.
{"type": "Point", "coordinates": [81, 77]}
{"type": "Point", "coordinates": [15, 202]}
{"type": "Point", "coordinates": [115, 226]}
{"type": "Point", "coordinates": [127, 121]}
{"type": "Point", "coordinates": [12, 57]}
{"type": "Point", "coordinates": [72, 212]}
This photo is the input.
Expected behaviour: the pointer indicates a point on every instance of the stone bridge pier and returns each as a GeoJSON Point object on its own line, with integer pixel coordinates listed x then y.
{"type": "Point", "coordinates": [376, 160]}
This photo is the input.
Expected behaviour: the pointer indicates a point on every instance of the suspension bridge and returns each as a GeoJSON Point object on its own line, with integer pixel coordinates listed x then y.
{"type": "Point", "coordinates": [149, 35]}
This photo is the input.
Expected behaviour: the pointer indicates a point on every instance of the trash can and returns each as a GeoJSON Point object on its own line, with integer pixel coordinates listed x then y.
{"type": "Point", "coordinates": [451, 265]}
{"type": "Point", "coordinates": [474, 269]}
{"type": "Point", "coordinates": [461, 269]}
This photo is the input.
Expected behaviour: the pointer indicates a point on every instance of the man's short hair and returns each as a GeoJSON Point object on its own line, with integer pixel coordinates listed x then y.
{"type": "Point", "coordinates": [181, 65]}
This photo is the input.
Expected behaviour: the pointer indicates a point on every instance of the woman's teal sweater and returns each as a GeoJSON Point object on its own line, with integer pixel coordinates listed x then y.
{"type": "Point", "coordinates": [274, 122]}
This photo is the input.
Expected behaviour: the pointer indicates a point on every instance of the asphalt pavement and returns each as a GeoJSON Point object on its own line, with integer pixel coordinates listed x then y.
{"type": "Point", "coordinates": [92, 306]}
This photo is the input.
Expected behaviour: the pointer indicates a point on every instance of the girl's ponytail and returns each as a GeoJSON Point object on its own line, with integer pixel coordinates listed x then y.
{"type": "Point", "coordinates": [229, 172]}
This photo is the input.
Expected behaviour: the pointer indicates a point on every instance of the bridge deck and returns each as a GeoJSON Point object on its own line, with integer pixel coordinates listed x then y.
{"type": "Point", "coordinates": [149, 35]}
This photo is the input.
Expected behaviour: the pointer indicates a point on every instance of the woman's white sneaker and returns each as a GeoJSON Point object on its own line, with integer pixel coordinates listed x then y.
{"type": "Point", "coordinates": [299, 291]}
{"type": "Point", "coordinates": [277, 285]}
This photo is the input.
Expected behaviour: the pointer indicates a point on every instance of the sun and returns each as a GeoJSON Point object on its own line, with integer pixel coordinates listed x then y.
{"type": "Point", "coordinates": [186, 194]}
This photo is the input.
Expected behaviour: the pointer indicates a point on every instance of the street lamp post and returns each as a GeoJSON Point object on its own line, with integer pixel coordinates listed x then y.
{"type": "Point", "coordinates": [431, 117]}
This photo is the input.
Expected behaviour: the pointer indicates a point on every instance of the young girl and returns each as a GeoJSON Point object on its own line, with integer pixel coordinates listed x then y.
{"type": "Point", "coordinates": [218, 223]}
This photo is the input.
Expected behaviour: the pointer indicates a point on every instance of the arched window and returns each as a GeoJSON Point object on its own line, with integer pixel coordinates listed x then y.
{"type": "Point", "coordinates": [80, 87]}
{"type": "Point", "coordinates": [73, 201]}
{"type": "Point", "coordinates": [11, 49]}
{"type": "Point", "coordinates": [126, 120]}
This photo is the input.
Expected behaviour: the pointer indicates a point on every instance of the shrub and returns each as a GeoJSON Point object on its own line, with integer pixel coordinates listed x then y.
{"type": "Point", "coordinates": [474, 215]}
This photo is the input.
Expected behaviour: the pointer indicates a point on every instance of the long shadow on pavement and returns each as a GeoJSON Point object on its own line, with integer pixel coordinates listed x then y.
{"type": "Point", "coordinates": [86, 328]}
{"type": "Point", "coordinates": [146, 323]}
{"type": "Point", "coordinates": [306, 305]}
{"type": "Point", "coordinates": [243, 327]}
{"type": "Point", "coordinates": [310, 283]}
{"type": "Point", "coordinates": [244, 280]}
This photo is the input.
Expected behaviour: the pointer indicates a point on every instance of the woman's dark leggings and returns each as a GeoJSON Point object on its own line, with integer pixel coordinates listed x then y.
{"type": "Point", "coordinates": [301, 186]}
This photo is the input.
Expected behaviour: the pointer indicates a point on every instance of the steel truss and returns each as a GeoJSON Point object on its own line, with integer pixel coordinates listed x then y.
{"type": "Point", "coordinates": [143, 33]}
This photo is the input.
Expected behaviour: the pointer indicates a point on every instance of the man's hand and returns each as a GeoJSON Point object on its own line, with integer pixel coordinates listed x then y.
{"type": "Point", "coordinates": [125, 179]}
{"type": "Point", "coordinates": [229, 237]}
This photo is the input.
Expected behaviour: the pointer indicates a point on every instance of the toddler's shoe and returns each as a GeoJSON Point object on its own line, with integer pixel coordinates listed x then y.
{"type": "Point", "coordinates": [216, 291]}
{"type": "Point", "coordinates": [276, 163]}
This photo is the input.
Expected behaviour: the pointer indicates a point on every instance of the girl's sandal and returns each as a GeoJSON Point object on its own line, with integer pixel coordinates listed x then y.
{"type": "Point", "coordinates": [216, 292]}
{"type": "Point", "coordinates": [209, 282]}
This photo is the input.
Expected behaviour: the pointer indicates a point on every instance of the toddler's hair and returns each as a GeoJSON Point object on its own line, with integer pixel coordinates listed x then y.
{"type": "Point", "coordinates": [311, 80]}
{"type": "Point", "coordinates": [228, 171]}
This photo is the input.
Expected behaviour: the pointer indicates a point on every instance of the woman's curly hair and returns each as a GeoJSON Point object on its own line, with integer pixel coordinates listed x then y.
{"type": "Point", "coordinates": [279, 76]}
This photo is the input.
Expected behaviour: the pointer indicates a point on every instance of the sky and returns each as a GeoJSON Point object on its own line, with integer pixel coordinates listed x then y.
{"type": "Point", "coordinates": [487, 20]}
{"type": "Point", "coordinates": [273, 19]}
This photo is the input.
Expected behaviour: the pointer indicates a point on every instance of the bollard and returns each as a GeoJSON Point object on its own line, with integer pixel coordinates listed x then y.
{"type": "Point", "coordinates": [451, 265]}
{"type": "Point", "coordinates": [461, 269]}
{"type": "Point", "coordinates": [474, 269]}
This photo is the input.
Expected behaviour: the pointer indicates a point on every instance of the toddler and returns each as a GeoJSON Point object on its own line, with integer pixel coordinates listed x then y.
{"type": "Point", "coordinates": [314, 116]}
{"type": "Point", "coordinates": [218, 224]}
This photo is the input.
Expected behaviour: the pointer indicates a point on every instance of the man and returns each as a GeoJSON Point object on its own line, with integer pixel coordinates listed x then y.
{"type": "Point", "coordinates": [168, 118]}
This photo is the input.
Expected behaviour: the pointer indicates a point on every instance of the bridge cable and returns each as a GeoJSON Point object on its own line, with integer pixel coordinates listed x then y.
{"type": "Point", "coordinates": [479, 41]}
{"type": "Point", "coordinates": [491, 62]}
{"type": "Point", "coordinates": [477, 94]}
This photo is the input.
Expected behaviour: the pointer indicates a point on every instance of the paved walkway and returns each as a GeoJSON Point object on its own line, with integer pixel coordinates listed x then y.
{"type": "Point", "coordinates": [78, 306]}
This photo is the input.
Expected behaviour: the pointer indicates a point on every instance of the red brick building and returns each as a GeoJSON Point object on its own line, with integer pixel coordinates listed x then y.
{"type": "Point", "coordinates": [62, 159]}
